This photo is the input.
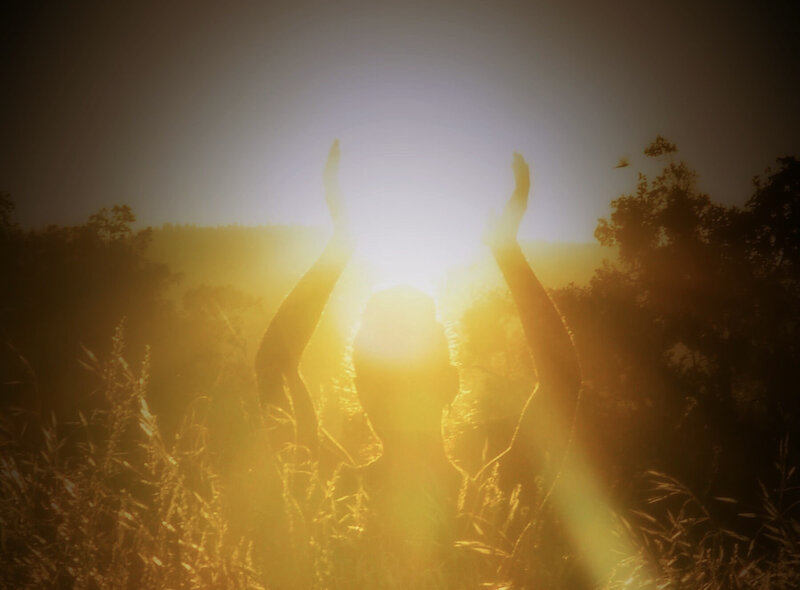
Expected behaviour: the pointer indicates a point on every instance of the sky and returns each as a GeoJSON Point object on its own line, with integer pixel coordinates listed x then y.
{"type": "Point", "coordinates": [216, 113]}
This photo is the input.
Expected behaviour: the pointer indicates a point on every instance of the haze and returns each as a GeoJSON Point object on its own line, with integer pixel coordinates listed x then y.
{"type": "Point", "coordinates": [208, 114]}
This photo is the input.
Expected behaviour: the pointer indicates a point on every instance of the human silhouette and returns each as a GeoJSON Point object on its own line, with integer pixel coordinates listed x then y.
{"type": "Point", "coordinates": [405, 380]}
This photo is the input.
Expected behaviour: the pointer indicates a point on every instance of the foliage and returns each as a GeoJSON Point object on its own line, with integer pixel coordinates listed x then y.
{"type": "Point", "coordinates": [695, 328]}
{"type": "Point", "coordinates": [688, 345]}
{"type": "Point", "coordinates": [683, 543]}
{"type": "Point", "coordinates": [126, 509]}
{"type": "Point", "coordinates": [67, 286]}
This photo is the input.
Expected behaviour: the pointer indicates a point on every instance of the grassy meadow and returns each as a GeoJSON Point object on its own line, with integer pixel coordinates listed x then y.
{"type": "Point", "coordinates": [133, 451]}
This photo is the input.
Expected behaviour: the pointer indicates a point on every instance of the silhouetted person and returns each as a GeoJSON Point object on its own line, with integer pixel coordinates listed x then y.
{"type": "Point", "coordinates": [405, 379]}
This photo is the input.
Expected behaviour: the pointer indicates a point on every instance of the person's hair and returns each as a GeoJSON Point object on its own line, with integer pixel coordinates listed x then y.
{"type": "Point", "coordinates": [401, 359]}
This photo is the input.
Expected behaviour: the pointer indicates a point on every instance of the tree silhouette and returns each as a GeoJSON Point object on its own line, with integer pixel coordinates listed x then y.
{"type": "Point", "coordinates": [70, 286]}
{"type": "Point", "coordinates": [702, 312]}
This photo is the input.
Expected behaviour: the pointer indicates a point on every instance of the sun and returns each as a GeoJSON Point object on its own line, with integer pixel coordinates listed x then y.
{"type": "Point", "coordinates": [400, 245]}
{"type": "Point", "coordinates": [419, 260]}
{"type": "Point", "coordinates": [413, 222]}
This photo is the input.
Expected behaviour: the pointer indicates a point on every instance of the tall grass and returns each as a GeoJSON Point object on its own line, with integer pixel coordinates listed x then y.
{"type": "Point", "coordinates": [718, 545]}
{"type": "Point", "coordinates": [108, 501]}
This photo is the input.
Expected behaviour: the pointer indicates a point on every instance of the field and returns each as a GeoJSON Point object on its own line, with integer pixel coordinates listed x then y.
{"type": "Point", "coordinates": [135, 452]}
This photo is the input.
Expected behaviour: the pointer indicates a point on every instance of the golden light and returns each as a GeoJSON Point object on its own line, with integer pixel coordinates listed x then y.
{"type": "Point", "coordinates": [417, 213]}
{"type": "Point", "coordinates": [421, 261]}
{"type": "Point", "coordinates": [609, 553]}
{"type": "Point", "coordinates": [399, 326]}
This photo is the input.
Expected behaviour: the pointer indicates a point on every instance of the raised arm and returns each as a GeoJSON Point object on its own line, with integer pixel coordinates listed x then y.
{"type": "Point", "coordinates": [280, 384]}
{"type": "Point", "coordinates": [549, 412]}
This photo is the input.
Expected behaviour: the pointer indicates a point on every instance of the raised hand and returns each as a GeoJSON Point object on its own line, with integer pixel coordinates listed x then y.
{"type": "Point", "coordinates": [278, 358]}
{"type": "Point", "coordinates": [502, 230]}
{"type": "Point", "coordinates": [333, 194]}
{"type": "Point", "coordinates": [547, 418]}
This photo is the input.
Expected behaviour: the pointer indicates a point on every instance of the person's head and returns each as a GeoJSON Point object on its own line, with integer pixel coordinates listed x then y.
{"type": "Point", "coordinates": [402, 364]}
